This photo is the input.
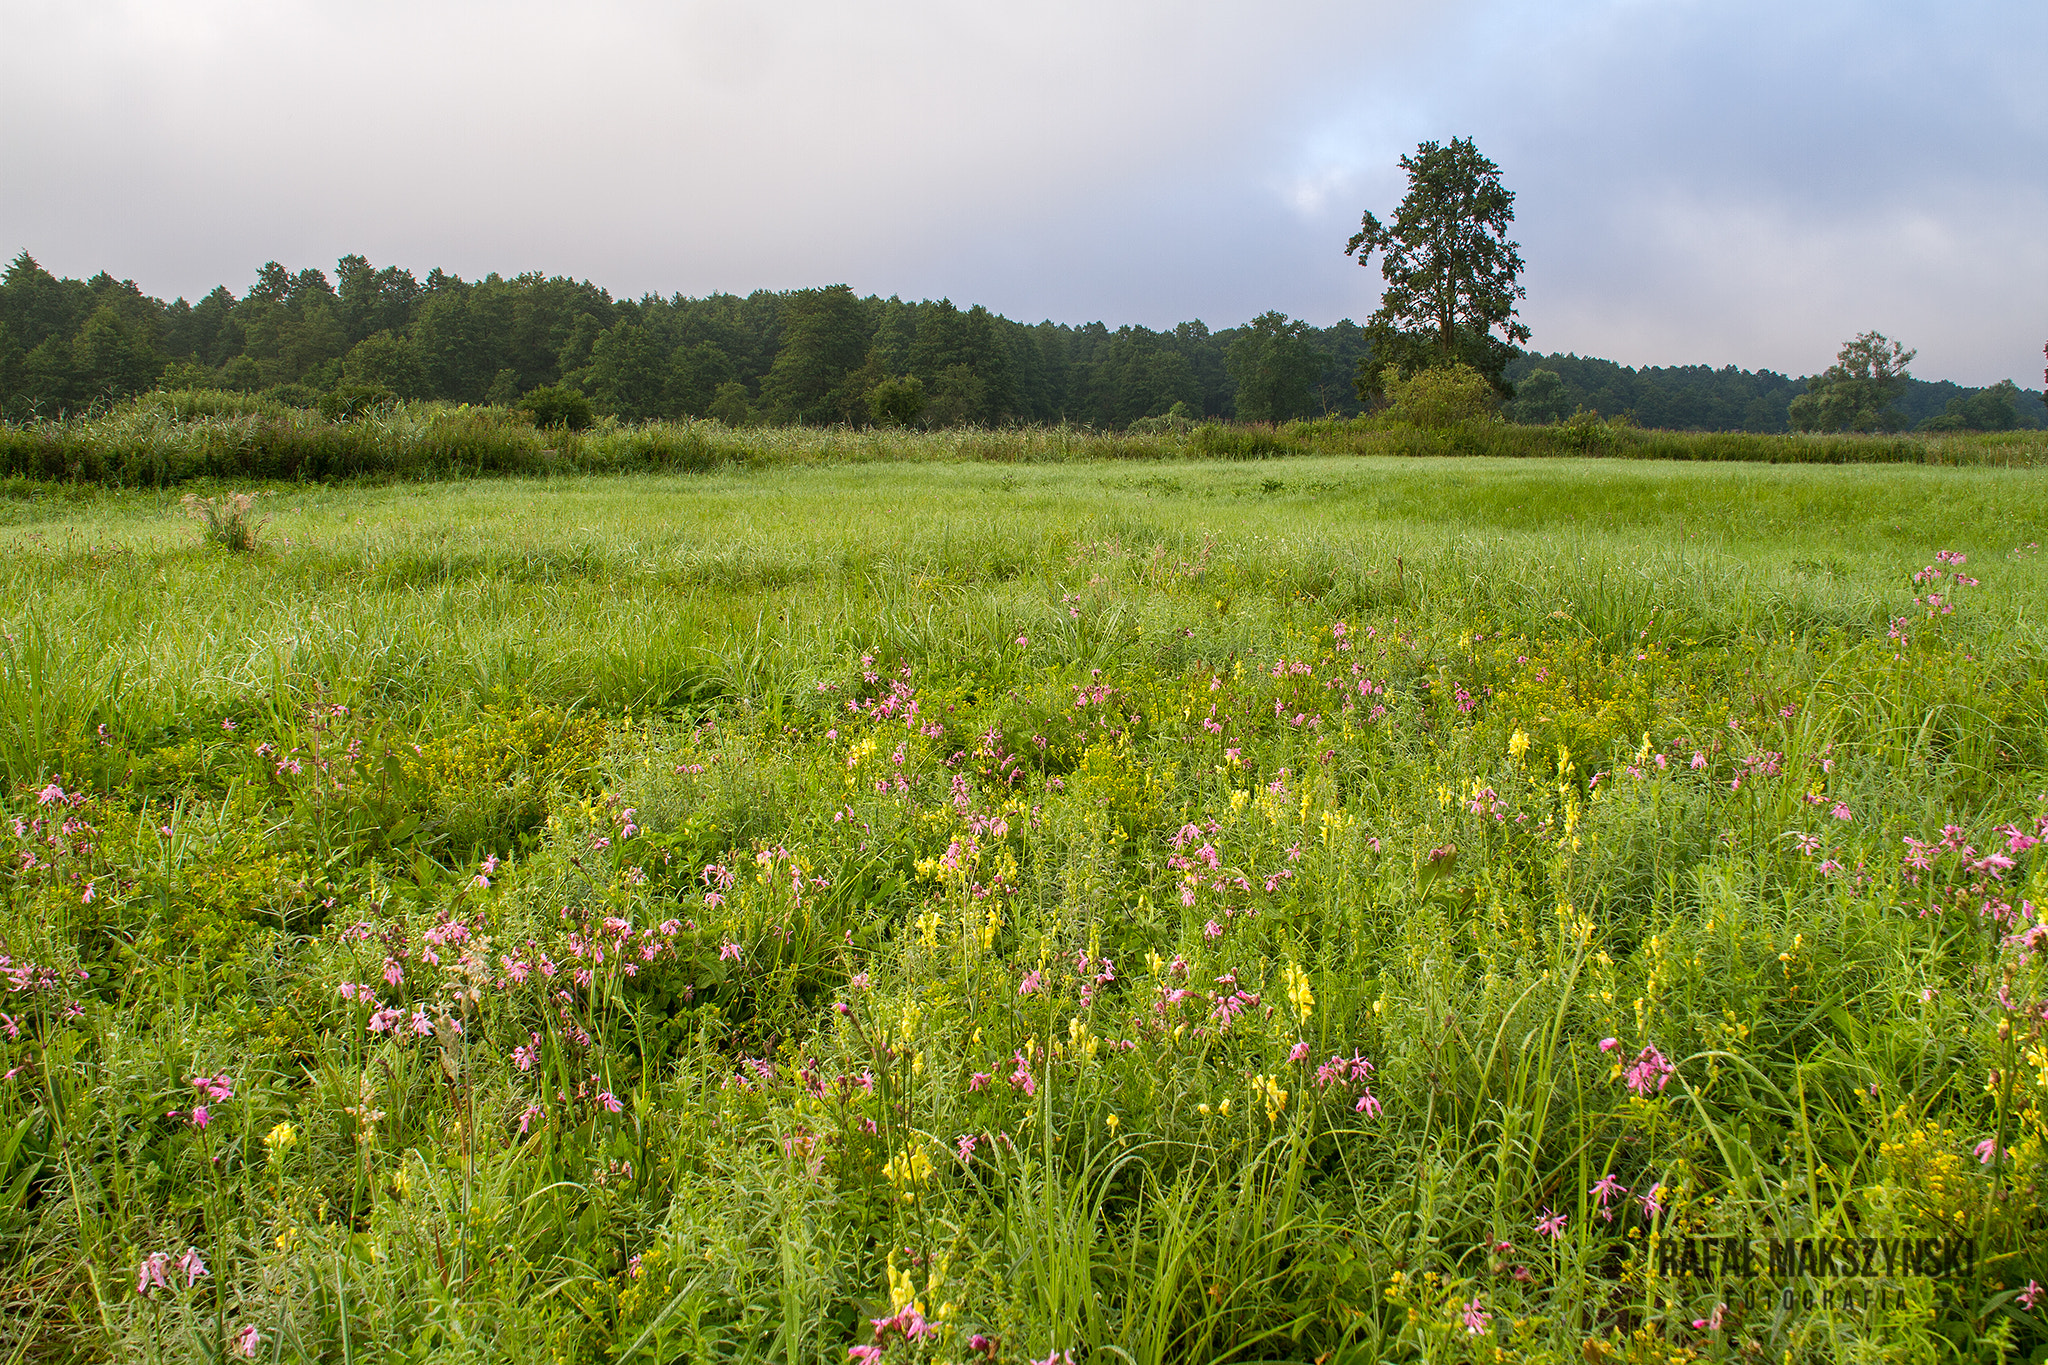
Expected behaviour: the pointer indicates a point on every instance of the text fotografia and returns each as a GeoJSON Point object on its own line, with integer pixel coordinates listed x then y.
{"type": "Point", "coordinates": [1818, 1258]}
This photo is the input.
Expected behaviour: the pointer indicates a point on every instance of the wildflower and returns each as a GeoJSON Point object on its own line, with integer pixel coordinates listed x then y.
{"type": "Point", "coordinates": [1298, 993]}
{"type": "Point", "coordinates": [191, 1266]}
{"type": "Point", "coordinates": [1652, 1205]}
{"type": "Point", "coordinates": [1029, 985]}
{"type": "Point", "coordinates": [2031, 1295]}
{"type": "Point", "coordinates": [1650, 1071]}
{"type": "Point", "coordinates": [1712, 1322]}
{"type": "Point", "coordinates": [1297, 1052]}
{"type": "Point", "coordinates": [1476, 1318]}
{"type": "Point", "coordinates": [965, 1147]}
{"type": "Point", "coordinates": [1842, 811]}
{"type": "Point", "coordinates": [729, 952]}
{"type": "Point", "coordinates": [1551, 1225]}
{"type": "Point", "coordinates": [1518, 744]}
{"type": "Point", "coordinates": [281, 1138]}
{"type": "Point", "coordinates": [1609, 1044]}
{"type": "Point", "coordinates": [1608, 1188]}
{"type": "Point", "coordinates": [149, 1274]}
{"type": "Point", "coordinates": [982, 1346]}
{"type": "Point", "coordinates": [1987, 1151]}
{"type": "Point", "coordinates": [199, 1116]}
{"type": "Point", "coordinates": [247, 1340]}
{"type": "Point", "coordinates": [866, 1355]}
{"type": "Point", "coordinates": [609, 1101]}
{"type": "Point", "coordinates": [1368, 1105]}
{"type": "Point", "coordinates": [1055, 1358]}
{"type": "Point", "coordinates": [978, 1080]}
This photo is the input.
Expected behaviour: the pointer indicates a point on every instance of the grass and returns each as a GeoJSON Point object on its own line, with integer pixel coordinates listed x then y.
{"type": "Point", "coordinates": [163, 439]}
{"type": "Point", "coordinates": [1192, 910]}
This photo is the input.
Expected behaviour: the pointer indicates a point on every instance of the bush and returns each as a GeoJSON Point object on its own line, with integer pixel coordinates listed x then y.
{"type": "Point", "coordinates": [897, 402]}
{"type": "Point", "coordinates": [1439, 397]}
{"type": "Point", "coordinates": [554, 407]}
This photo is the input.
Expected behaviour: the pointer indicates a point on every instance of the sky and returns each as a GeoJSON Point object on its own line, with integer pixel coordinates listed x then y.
{"type": "Point", "coordinates": [1734, 183]}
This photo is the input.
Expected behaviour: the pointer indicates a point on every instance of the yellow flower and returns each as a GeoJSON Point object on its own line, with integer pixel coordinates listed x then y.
{"type": "Point", "coordinates": [1298, 993]}
{"type": "Point", "coordinates": [1268, 1089]}
{"type": "Point", "coordinates": [281, 1137]}
{"type": "Point", "coordinates": [1518, 744]}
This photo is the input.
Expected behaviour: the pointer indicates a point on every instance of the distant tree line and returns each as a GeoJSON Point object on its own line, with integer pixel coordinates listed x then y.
{"type": "Point", "coordinates": [1702, 398]}
{"type": "Point", "coordinates": [802, 356]}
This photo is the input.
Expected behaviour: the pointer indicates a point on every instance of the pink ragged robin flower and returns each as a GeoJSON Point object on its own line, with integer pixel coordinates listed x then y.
{"type": "Point", "coordinates": [1551, 1224]}
{"type": "Point", "coordinates": [1477, 1319]}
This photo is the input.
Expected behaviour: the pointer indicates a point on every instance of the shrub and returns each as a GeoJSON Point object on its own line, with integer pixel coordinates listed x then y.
{"type": "Point", "coordinates": [897, 402]}
{"type": "Point", "coordinates": [554, 407]}
{"type": "Point", "coordinates": [1439, 397]}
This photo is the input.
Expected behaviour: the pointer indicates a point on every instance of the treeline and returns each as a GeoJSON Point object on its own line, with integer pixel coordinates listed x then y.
{"type": "Point", "coordinates": [809, 356]}
{"type": "Point", "coordinates": [1702, 398]}
{"type": "Point", "coordinates": [805, 356]}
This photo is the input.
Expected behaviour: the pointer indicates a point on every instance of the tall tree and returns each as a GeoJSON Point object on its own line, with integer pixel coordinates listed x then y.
{"type": "Point", "coordinates": [1449, 267]}
{"type": "Point", "coordinates": [1857, 391]}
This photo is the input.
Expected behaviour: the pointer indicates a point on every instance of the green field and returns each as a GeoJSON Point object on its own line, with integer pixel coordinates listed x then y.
{"type": "Point", "coordinates": [1332, 908]}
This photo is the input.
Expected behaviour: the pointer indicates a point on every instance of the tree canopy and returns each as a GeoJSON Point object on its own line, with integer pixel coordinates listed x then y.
{"type": "Point", "coordinates": [1857, 391]}
{"type": "Point", "coordinates": [1449, 268]}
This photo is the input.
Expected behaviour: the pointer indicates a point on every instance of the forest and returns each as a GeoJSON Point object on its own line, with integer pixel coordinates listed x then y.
{"type": "Point", "coordinates": [806, 356]}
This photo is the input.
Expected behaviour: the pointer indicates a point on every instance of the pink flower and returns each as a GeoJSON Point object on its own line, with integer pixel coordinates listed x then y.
{"type": "Point", "coordinates": [1299, 1051]}
{"type": "Point", "coordinates": [1476, 1318]}
{"type": "Point", "coordinates": [1712, 1322]}
{"type": "Point", "coordinates": [978, 1080]}
{"type": "Point", "coordinates": [1650, 1071]}
{"type": "Point", "coordinates": [2031, 1295]}
{"type": "Point", "coordinates": [247, 1340]}
{"type": "Point", "coordinates": [609, 1101]}
{"type": "Point", "coordinates": [191, 1266]}
{"type": "Point", "coordinates": [199, 1116]}
{"type": "Point", "coordinates": [1029, 985]}
{"type": "Point", "coordinates": [1368, 1105]}
{"type": "Point", "coordinates": [149, 1274]}
{"type": "Point", "coordinates": [1842, 811]}
{"type": "Point", "coordinates": [1987, 1151]}
{"type": "Point", "coordinates": [866, 1355]}
{"type": "Point", "coordinates": [1609, 1044]}
{"type": "Point", "coordinates": [729, 952]}
{"type": "Point", "coordinates": [1608, 1188]}
{"type": "Point", "coordinates": [1551, 1225]}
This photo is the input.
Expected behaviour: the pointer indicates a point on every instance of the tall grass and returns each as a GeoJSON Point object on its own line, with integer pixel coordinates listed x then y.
{"type": "Point", "coordinates": [916, 797]}
{"type": "Point", "coordinates": [164, 439]}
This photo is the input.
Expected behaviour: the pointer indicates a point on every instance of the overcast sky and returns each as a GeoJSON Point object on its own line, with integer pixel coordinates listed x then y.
{"type": "Point", "coordinates": [1724, 183]}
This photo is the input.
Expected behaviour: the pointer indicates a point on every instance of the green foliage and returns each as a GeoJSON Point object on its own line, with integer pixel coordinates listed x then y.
{"type": "Point", "coordinates": [1275, 366]}
{"type": "Point", "coordinates": [1540, 398]}
{"type": "Point", "coordinates": [554, 408]}
{"type": "Point", "coordinates": [1450, 270]}
{"type": "Point", "coordinates": [1857, 391]}
{"type": "Point", "coordinates": [897, 402]}
{"type": "Point", "coordinates": [351, 401]}
{"type": "Point", "coordinates": [1441, 397]}
{"type": "Point", "coordinates": [1992, 409]}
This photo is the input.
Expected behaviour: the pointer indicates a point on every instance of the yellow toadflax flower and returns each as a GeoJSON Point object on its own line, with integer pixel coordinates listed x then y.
{"type": "Point", "coordinates": [1298, 993]}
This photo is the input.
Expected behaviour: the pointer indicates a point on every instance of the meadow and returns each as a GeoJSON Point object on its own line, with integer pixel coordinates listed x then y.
{"type": "Point", "coordinates": [1333, 908]}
